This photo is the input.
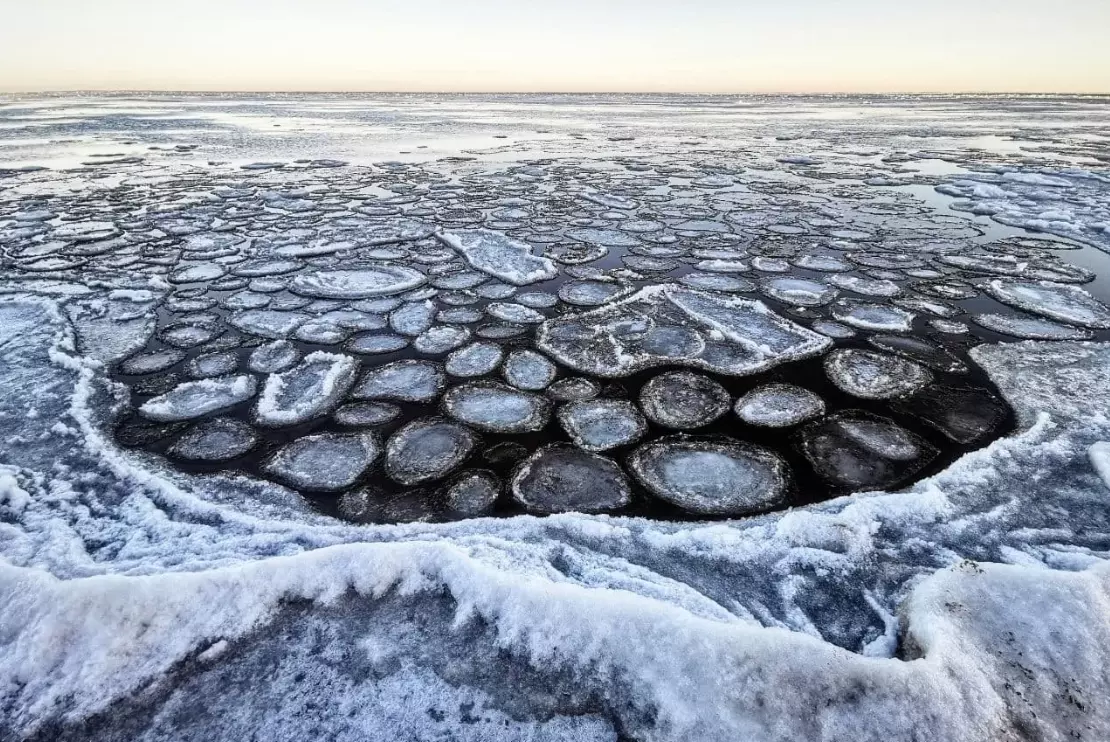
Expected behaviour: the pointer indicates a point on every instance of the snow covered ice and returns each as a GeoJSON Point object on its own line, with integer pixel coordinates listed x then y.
{"type": "Point", "coordinates": [636, 428]}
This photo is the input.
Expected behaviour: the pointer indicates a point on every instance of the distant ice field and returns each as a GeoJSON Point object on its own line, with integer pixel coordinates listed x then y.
{"type": "Point", "coordinates": [554, 417]}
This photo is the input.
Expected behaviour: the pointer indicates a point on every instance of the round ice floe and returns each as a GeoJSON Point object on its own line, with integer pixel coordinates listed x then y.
{"type": "Point", "coordinates": [324, 463]}
{"type": "Point", "coordinates": [854, 450]}
{"type": "Point", "coordinates": [196, 273]}
{"type": "Point", "coordinates": [427, 449]}
{"type": "Point", "coordinates": [473, 492]}
{"type": "Point", "coordinates": [1062, 302]}
{"type": "Point", "coordinates": [476, 359]}
{"type": "Point", "coordinates": [869, 375]}
{"type": "Point", "coordinates": [602, 424]}
{"type": "Point", "coordinates": [778, 406]}
{"type": "Point", "coordinates": [220, 439]}
{"type": "Point", "coordinates": [267, 323]}
{"type": "Point", "coordinates": [716, 282]}
{"type": "Point", "coordinates": [673, 341]}
{"type": "Point", "coordinates": [363, 283]}
{"type": "Point", "coordinates": [152, 362]}
{"type": "Point", "coordinates": [527, 369]}
{"type": "Point", "coordinates": [197, 398]}
{"type": "Point", "coordinates": [189, 335]}
{"type": "Point", "coordinates": [440, 339]}
{"type": "Point", "coordinates": [495, 407]}
{"type": "Point", "coordinates": [537, 299]}
{"type": "Point", "coordinates": [801, 292]}
{"type": "Point", "coordinates": [920, 350]}
{"type": "Point", "coordinates": [306, 391]}
{"type": "Point", "coordinates": [404, 381]}
{"type": "Point", "coordinates": [273, 358]}
{"type": "Point", "coordinates": [366, 414]}
{"type": "Point", "coordinates": [1030, 328]}
{"type": "Point", "coordinates": [374, 344]}
{"type": "Point", "coordinates": [561, 478]}
{"type": "Point", "coordinates": [833, 329]}
{"type": "Point", "coordinates": [877, 317]}
{"type": "Point", "coordinates": [591, 293]}
{"type": "Point", "coordinates": [825, 263]}
{"type": "Point", "coordinates": [573, 389]}
{"type": "Point", "coordinates": [510, 312]}
{"type": "Point", "coordinates": [681, 399]}
{"type": "Point", "coordinates": [867, 286]}
{"type": "Point", "coordinates": [212, 364]}
{"type": "Point", "coordinates": [718, 477]}
{"type": "Point", "coordinates": [413, 318]}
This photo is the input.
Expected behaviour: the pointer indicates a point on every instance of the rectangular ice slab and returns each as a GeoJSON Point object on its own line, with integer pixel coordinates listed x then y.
{"type": "Point", "coordinates": [672, 325]}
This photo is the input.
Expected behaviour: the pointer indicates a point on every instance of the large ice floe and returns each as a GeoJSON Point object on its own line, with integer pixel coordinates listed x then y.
{"type": "Point", "coordinates": [634, 430]}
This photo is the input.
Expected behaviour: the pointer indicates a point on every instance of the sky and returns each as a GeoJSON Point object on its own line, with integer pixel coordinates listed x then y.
{"type": "Point", "coordinates": [714, 46]}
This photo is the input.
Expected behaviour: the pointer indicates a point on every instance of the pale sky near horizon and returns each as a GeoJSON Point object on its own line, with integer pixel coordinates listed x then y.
{"type": "Point", "coordinates": [569, 45]}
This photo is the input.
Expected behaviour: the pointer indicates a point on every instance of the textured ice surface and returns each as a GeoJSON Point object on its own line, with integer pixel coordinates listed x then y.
{"type": "Point", "coordinates": [682, 399]}
{"type": "Point", "coordinates": [476, 359]}
{"type": "Point", "coordinates": [381, 280]}
{"type": "Point", "coordinates": [218, 439]}
{"type": "Point", "coordinates": [869, 375]}
{"type": "Point", "coordinates": [1063, 302]}
{"type": "Point", "coordinates": [601, 424]}
{"type": "Point", "coordinates": [495, 407]}
{"type": "Point", "coordinates": [710, 477]}
{"type": "Point", "coordinates": [274, 357]}
{"type": "Point", "coordinates": [500, 256]}
{"type": "Point", "coordinates": [427, 449]}
{"type": "Point", "coordinates": [308, 390]}
{"type": "Point", "coordinates": [855, 450]}
{"type": "Point", "coordinates": [324, 463]}
{"type": "Point", "coordinates": [527, 369]}
{"type": "Point", "coordinates": [734, 336]}
{"type": "Point", "coordinates": [405, 381]}
{"type": "Point", "coordinates": [473, 492]}
{"type": "Point", "coordinates": [197, 398]}
{"type": "Point", "coordinates": [1030, 328]}
{"type": "Point", "coordinates": [801, 292]}
{"type": "Point", "coordinates": [559, 477]}
{"type": "Point", "coordinates": [778, 406]}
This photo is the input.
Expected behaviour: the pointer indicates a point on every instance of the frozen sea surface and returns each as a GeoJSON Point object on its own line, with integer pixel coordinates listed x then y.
{"type": "Point", "coordinates": [415, 311]}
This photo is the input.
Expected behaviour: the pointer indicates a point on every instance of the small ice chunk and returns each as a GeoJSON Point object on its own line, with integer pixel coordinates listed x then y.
{"type": "Point", "coordinates": [494, 407]}
{"type": "Point", "coordinates": [440, 339]}
{"type": "Point", "coordinates": [324, 463]}
{"type": "Point", "coordinates": [363, 283]}
{"type": "Point", "coordinates": [476, 359]}
{"type": "Point", "coordinates": [427, 449]}
{"type": "Point", "coordinates": [208, 365]}
{"type": "Point", "coordinates": [413, 318]}
{"type": "Point", "coordinates": [510, 312]}
{"type": "Point", "coordinates": [1030, 328]}
{"type": "Point", "coordinates": [876, 317]}
{"type": "Point", "coordinates": [473, 492]}
{"type": "Point", "coordinates": [220, 439]}
{"type": "Point", "coordinates": [306, 391]}
{"type": "Point", "coordinates": [869, 375]}
{"type": "Point", "coordinates": [527, 369]}
{"type": "Point", "coordinates": [267, 323]}
{"type": "Point", "coordinates": [560, 478]}
{"type": "Point", "coordinates": [801, 292]}
{"type": "Point", "coordinates": [854, 450]}
{"type": "Point", "coordinates": [573, 389]}
{"type": "Point", "coordinates": [500, 256]}
{"type": "Point", "coordinates": [273, 357]}
{"type": "Point", "coordinates": [711, 477]}
{"type": "Point", "coordinates": [602, 424]}
{"type": "Point", "coordinates": [404, 381]}
{"type": "Point", "coordinates": [1062, 302]}
{"type": "Point", "coordinates": [366, 414]}
{"type": "Point", "coordinates": [374, 344]}
{"type": "Point", "coordinates": [778, 406]}
{"type": "Point", "coordinates": [197, 398]}
{"type": "Point", "coordinates": [152, 362]}
{"type": "Point", "coordinates": [962, 414]}
{"type": "Point", "coordinates": [681, 399]}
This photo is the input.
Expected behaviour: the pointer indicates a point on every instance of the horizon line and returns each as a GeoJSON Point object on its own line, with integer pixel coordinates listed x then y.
{"type": "Point", "coordinates": [168, 91]}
